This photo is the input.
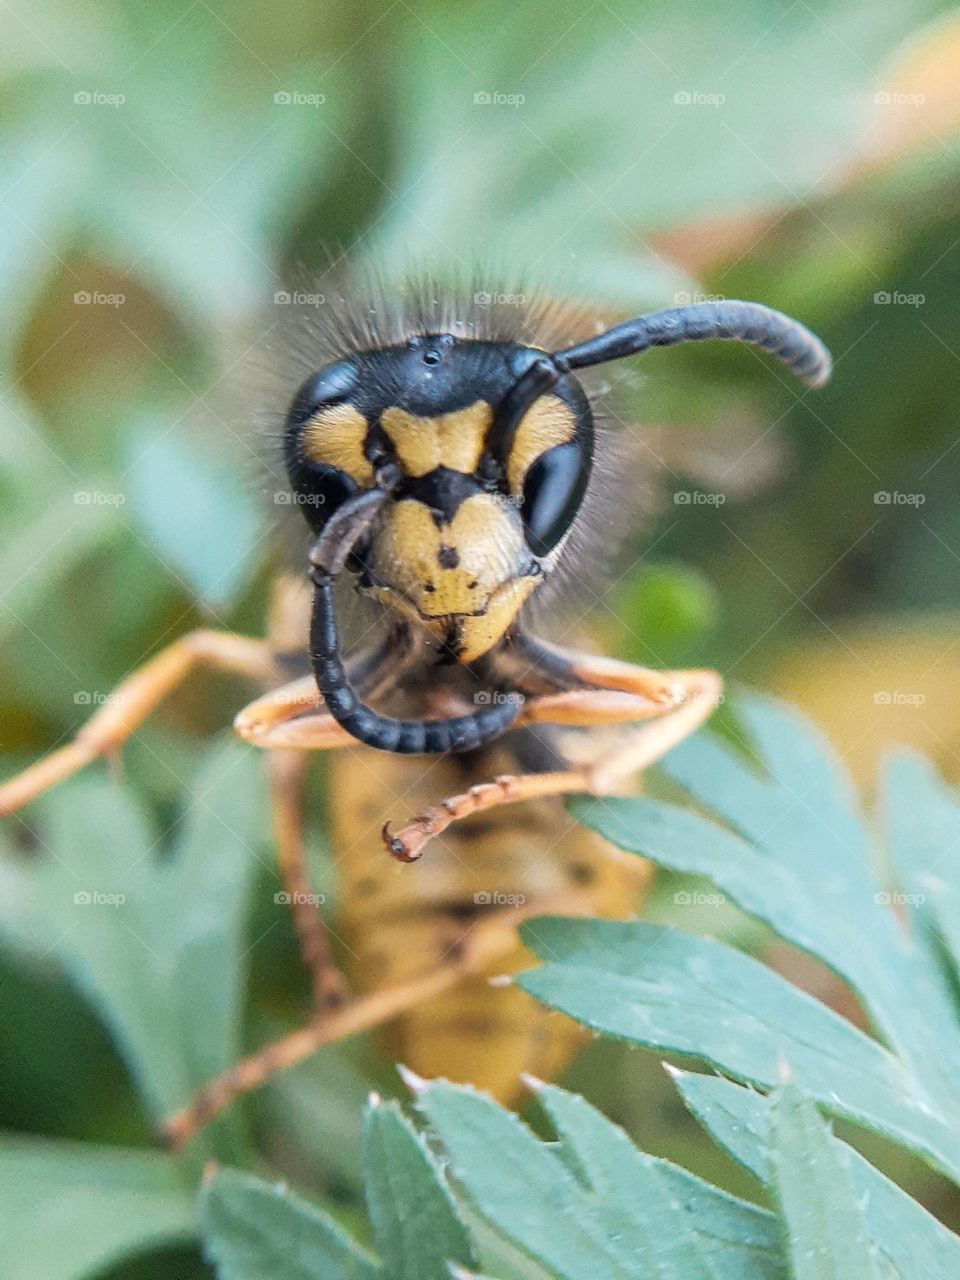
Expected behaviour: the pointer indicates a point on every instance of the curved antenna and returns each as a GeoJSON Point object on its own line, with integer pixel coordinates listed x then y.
{"type": "Point", "coordinates": [407, 737]}
{"type": "Point", "coordinates": [791, 342]}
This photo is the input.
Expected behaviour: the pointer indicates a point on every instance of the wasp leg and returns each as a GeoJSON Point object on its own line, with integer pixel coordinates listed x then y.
{"type": "Point", "coordinates": [288, 722]}
{"type": "Point", "coordinates": [133, 701]}
{"type": "Point", "coordinates": [286, 770]}
{"type": "Point", "coordinates": [699, 693]}
{"type": "Point", "coordinates": [483, 944]}
{"type": "Point", "coordinates": [533, 666]}
{"type": "Point", "coordinates": [509, 788]}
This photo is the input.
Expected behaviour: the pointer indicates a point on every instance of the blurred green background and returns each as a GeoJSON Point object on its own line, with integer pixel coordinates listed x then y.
{"type": "Point", "coordinates": [166, 172]}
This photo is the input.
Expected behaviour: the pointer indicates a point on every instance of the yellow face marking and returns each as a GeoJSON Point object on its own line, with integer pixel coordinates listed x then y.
{"type": "Point", "coordinates": [546, 423]}
{"type": "Point", "coordinates": [453, 440]}
{"type": "Point", "coordinates": [475, 566]}
{"type": "Point", "coordinates": [477, 635]}
{"type": "Point", "coordinates": [335, 436]}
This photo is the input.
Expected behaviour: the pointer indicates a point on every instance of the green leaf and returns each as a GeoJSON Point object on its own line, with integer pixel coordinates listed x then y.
{"type": "Point", "coordinates": [913, 1241]}
{"type": "Point", "coordinates": [675, 1224]}
{"type": "Point", "coordinates": [573, 1223]}
{"type": "Point", "coordinates": [415, 1222]}
{"type": "Point", "coordinates": [660, 988]}
{"type": "Point", "coordinates": [73, 1210]}
{"type": "Point", "coordinates": [254, 1230]}
{"type": "Point", "coordinates": [50, 543]}
{"type": "Point", "coordinates": [197, 513]}
{"type": "Point", "coordinates": [802, 862]}
{"type": "Point", "coordinates": [158, 945]}
{"type": "Point", "coordinates": [826, 1231]}
{"type": "Point", "coordinates": [539, 144]}
{"type": "Point", "coordinates": [922, 820]}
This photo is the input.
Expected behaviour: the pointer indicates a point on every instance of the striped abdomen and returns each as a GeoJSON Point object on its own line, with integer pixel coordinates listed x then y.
{"type": "Point", "coordinates": [401, 921]}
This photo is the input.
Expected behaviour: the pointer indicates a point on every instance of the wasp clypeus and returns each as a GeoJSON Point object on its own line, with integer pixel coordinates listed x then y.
{"type": "Point", "coordinates": [444, 457]}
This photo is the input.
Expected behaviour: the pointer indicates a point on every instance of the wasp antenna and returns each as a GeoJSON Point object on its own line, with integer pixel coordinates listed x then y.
{"type": "Point", "coordinates": [407, 737]}
{"type": "Point", "coordinates": [344, 530]}
{"type": "Point", "coordinates": [791, 342]}
{"type": "Point", "coordinates": [539, 378]}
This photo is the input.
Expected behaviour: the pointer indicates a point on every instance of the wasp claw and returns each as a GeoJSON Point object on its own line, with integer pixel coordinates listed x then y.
{"type": "Point", "coordinates": [398, 848]}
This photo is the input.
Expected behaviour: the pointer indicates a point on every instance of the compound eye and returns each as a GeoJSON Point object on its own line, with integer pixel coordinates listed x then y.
{"type": "Point", "coordinates": [553, 489]}
{"type": "Point", "coordinates": [319, 484]}
{"type": "Point", "coordinates": [328, 385]}
{"type": "Point", "coordinates": [318, 490]}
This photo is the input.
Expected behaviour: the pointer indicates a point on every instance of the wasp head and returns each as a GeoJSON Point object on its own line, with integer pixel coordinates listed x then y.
{"type": "Point", "coordinates": [479, 508]}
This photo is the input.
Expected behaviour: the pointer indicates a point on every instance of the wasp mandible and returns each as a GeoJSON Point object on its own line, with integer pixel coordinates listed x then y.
{"type": "Point", "coordinates": [444, 462]}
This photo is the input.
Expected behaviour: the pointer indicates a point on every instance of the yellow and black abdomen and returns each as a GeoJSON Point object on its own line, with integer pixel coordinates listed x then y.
{"type": "Point", "coordinates": [400, 921]}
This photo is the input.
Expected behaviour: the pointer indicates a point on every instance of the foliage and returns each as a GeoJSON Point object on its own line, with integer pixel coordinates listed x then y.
{"type": "Point", "coordinates": [472, 1189]}
{"type": "Point", "coordinates": [166, 169]}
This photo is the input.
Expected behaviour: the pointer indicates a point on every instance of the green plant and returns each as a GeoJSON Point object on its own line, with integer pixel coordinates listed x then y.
{"type": "Point", "coordinates": [469, 1188]}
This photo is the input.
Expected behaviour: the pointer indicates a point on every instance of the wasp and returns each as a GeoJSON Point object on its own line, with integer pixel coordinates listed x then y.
{"type": "Point", "coordinates": [444, 463]}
